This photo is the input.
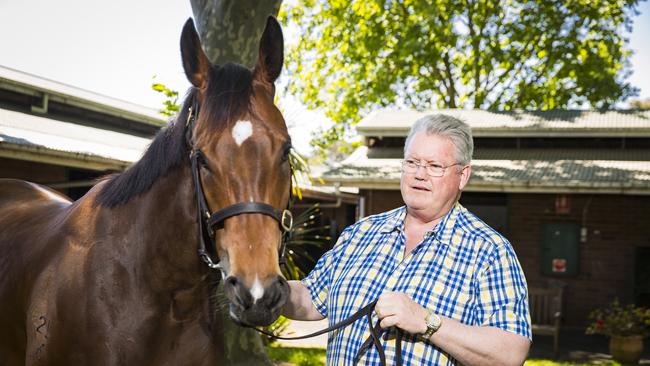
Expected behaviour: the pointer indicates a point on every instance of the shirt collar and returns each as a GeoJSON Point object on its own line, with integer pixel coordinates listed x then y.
{"type": "Point", "coordinates": [394, 221]}
{"type": "Point", "coordinates": [445, 228]}
{"type": "Point", "coordinates": [442, 232]}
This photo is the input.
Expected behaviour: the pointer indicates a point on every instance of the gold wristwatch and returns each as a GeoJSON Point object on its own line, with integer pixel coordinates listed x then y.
{"type": "Point", "coordinates": [433, 324]}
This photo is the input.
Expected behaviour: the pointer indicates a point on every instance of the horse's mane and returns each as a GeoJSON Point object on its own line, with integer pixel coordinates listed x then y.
{"type": "Point", "coordinates": [227, 97]}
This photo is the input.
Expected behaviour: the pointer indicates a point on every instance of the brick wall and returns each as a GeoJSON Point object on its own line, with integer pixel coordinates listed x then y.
{"type": "Point", "coordinates": [616, 225]}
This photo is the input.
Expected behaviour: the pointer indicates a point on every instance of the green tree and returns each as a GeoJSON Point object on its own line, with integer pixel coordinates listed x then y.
{"type": "Point", "coordinates": [353, 56]}
{"type": "Point", "coordinates": [643, 104]}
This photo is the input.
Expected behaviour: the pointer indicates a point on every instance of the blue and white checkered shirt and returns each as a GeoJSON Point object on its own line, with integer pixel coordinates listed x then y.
{"type": "Point", "coordinates": [463, 270]}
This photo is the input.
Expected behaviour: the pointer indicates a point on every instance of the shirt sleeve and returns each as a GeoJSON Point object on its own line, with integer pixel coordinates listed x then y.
{"type": "Point", "coordinates": [318, 281]}
{"type": "Point", "coordinates": [503, 293]}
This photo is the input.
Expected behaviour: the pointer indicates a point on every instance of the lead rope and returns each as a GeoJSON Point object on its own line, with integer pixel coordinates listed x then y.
{"type": "Point", "coordinates": [373, 339]}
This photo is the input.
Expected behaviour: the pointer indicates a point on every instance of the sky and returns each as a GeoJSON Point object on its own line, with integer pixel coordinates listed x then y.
{"type": "Point", "coordinates": [118, 47]}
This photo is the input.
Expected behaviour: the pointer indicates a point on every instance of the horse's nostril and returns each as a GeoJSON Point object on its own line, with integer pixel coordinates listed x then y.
{"type": "Point", "coordinates": [231, 281]}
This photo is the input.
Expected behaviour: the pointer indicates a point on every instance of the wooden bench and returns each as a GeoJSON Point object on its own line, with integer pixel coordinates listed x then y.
{"type": "Point", "coordinates": [546, 313]}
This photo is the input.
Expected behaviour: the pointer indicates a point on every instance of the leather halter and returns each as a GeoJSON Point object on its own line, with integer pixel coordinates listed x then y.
{"type": "Point", "coordinates": [207, 221]}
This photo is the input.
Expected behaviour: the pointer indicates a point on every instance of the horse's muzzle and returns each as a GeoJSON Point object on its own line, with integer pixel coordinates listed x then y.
{"type": "Point", "coordinates": [254, 307]}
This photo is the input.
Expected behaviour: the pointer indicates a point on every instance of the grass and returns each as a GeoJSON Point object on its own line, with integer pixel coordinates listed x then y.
{"type": "Point", "coordinates": [316, 357]}
{"type": "Point", "coordinates": [298, 356]}
{"type": "Point", "coordinates": [553, 363]}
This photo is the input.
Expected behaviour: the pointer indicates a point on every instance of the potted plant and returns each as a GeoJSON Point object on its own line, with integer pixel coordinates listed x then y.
{"type": "Point", "coordinates": [626, 326]}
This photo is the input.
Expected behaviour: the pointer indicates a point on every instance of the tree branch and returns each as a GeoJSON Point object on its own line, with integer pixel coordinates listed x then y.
{"type": "Point", "coordinates": [230, 30]}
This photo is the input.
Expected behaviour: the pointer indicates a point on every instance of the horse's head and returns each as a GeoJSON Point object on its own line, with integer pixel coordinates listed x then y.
{"type": "Point", "coordinates": [244, 145]}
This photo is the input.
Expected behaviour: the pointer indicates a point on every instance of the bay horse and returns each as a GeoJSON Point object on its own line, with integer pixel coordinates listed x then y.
{"type": "Point", "coordinates": [114, 278]}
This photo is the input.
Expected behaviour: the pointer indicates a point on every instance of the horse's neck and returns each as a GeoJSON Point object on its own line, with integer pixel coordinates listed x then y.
{"type": "Point", "coordinates": [159, 230]}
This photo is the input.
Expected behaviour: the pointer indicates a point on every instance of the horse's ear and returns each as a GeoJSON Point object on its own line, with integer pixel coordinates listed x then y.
{"type": "Point", "coordinates": [271, 55]}
{"type": "Point", "coordinates": [195, 62]}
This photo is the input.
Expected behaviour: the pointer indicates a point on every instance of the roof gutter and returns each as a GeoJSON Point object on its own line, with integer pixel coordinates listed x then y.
{"type": "Point", "coordinates": [63, 158]}
{"type": "Point", "coordinates": [509, 187]}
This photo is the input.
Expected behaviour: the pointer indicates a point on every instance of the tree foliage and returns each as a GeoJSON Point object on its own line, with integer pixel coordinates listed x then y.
{"type": "Point", "coordinates": [353, 56]}
{"type": "Point", "coordinates": [642, 104]}
{"type": "Point", "coordinates": [170, 103]}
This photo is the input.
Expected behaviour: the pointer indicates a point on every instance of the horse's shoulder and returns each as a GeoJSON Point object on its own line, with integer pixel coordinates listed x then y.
{"type": "Point", "coordinates": [15, 190]}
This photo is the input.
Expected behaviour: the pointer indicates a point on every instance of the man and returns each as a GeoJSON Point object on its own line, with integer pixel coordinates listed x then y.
{"type": "Point", "coordinates": [451, 284]}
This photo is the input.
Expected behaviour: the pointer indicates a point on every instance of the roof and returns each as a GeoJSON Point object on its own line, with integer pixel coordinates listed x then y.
{"type": "Point", "coordinates": [29, 84]}
{"type": "Point", "coordinates": [553, 123]}
{"type": "Point", "coordinates": [543, 173]}
{"type": "Point", "coordinates": [28, 137]}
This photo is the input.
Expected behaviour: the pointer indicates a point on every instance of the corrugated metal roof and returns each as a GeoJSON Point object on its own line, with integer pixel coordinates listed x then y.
{"type": "Point", "coordinates": [19, 131]}
{"type": "Point", "coordinates": [26, 83]}
{"type": "Point", "coordinates": [564, 123]}
{"type": "Point", "coordinates": [534, 175]}
{"type": "Point", "coordinates": [533, 154]}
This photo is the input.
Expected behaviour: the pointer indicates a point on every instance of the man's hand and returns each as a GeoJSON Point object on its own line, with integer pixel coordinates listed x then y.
{"type": "Point", "coordinates": [398, 309]}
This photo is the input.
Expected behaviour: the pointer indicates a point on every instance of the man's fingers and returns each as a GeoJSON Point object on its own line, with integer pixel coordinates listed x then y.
{"type": "Point", "coordinates": [388, 321]}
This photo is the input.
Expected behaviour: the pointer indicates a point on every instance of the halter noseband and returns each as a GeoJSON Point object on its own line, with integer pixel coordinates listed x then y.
{"type": "Point", "coordinates": [207, 221]}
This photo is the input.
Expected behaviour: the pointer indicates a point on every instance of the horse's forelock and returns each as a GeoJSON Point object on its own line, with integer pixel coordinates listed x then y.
{"type": "Point", "coordinates": [227, 97]}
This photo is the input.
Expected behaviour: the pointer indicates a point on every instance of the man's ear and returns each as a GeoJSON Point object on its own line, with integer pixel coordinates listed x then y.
{"type": "Point", "coordinates": [465, 173]}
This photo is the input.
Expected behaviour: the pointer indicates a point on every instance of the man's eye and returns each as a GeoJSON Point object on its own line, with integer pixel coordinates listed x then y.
{"type": "Point", "coordinates": [435, 166]}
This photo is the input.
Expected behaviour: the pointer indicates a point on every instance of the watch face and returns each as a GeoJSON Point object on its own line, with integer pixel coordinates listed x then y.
{"type": "Point", "coordinates": [436, 320]}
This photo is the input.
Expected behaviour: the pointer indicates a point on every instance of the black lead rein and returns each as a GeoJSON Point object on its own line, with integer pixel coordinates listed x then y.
{"type": "Point", "coordinates": [374, 339]}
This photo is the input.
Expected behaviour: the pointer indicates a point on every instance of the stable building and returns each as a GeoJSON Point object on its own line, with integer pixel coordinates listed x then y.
{"type": "Point", "coordinates": [570, 190]}
{"type": "Point", "coordinates": [65, 137]}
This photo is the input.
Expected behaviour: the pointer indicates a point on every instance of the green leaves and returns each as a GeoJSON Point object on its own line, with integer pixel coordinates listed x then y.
{"type": "Point", "coordinates": [171, 106]}
{"type": "Point", "coordinates": [355, 56]}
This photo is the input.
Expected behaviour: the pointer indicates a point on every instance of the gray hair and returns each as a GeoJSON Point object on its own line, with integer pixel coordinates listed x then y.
{"type": "Point", "coordinates": [457, 131]}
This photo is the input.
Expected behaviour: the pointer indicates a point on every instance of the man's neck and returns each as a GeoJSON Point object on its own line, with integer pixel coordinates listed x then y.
{"type": "Point", "coordinates": [420, 219]}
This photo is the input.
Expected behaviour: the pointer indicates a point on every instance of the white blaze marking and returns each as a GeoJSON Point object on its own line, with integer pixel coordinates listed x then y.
{"type": "Point", "coordinates": [242, 131]}
{"type": "Point", "coordinates": [257, 291]}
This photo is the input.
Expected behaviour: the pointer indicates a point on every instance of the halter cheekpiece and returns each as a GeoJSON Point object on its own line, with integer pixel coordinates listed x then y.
{"type": "Point", "coordinates": [207, 221]}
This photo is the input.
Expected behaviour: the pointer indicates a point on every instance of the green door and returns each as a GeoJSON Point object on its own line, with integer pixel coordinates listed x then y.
{"type": "Point", "coordinates": [560, 249]}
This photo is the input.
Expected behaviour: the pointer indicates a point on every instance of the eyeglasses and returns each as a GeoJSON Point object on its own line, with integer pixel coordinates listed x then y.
{"type": "Point", "coordinates": [411, 166]}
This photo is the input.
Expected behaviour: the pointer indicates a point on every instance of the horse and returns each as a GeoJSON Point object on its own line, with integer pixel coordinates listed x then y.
{"type": "Point", "coordinates": [127, 274]}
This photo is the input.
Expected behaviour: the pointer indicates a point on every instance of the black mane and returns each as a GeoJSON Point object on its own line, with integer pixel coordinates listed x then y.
{"type": "Point", "coordinates": [227, 98]}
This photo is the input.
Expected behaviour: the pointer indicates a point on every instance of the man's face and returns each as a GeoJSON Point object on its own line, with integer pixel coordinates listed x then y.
{"type": "Point", "coordinates": [429, 196]}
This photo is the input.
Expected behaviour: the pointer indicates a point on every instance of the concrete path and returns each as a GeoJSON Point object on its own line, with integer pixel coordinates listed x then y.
{"type": "Point", "coordinates": [298, 328]}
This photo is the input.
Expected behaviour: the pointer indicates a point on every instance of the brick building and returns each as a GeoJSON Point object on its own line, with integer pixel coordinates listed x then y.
{"type": "Point", "coordinates": [569, 189]}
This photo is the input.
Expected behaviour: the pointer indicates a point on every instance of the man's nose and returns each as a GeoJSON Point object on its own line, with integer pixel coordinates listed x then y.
{"type": "Point", "coordinates": [420, 172]}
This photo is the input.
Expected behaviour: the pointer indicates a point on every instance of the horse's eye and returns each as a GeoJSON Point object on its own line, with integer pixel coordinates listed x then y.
{"type": "Point", "coordinates": [285, 153]}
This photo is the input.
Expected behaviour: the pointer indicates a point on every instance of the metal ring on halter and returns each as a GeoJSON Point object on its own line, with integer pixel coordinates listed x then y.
{"type": "Point", "coordinates": [286, 216]}
{"type": "Point", "coordinates": [206, 258]}
{"type": "Point", "coordinates": [189, 116]}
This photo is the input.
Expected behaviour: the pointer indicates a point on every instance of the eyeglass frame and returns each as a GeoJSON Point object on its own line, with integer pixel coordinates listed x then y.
{"type": "Point", "coordinates": [426, 167]}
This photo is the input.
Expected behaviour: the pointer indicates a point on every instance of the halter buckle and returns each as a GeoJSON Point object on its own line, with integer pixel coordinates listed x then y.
{"type": "Point", "coordinates": [286, 221]}
{"type": "Point", "coordinates": [189, 117]}
{"type": "Point", "coordinates": [206, 258]}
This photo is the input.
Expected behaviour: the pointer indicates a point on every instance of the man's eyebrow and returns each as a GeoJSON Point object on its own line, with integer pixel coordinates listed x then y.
{"type": "Point", "coordinates": [424, 160]}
